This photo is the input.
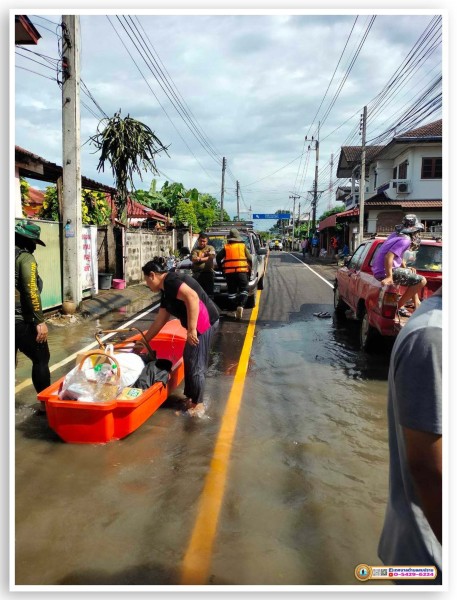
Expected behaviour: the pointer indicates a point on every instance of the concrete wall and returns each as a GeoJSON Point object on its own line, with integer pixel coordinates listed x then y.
{"type": "Point", "coordinates": [142, 246]}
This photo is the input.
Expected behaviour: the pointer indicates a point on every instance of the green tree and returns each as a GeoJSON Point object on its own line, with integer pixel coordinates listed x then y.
{"type": "Point", "coordinates": [153, 198]}
{"type": "Point", "coordinates": [332, 211]}
{"type": "Point", "coordinates": [95, 209]}
{"type": "Point", "coordinates": [50, 207]}
{"type": "Point", "coordinates": [130, 147]}
{"type": "Point", "coordinates": [173, 193]}
{"type": "Point", "coordinates": [185, 215]}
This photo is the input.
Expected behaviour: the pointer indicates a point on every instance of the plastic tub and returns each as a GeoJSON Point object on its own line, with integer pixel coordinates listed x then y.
{"type": "Point", "coordinates": [119, 284]}
{"type": "Point", "coordinates": [104, 281]}
{"type": "Point", "coordinates": [99, 422]}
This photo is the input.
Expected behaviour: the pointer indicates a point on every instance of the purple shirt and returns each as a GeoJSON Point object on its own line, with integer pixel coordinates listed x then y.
{"type": "Point", "coordinates": [398, 244]}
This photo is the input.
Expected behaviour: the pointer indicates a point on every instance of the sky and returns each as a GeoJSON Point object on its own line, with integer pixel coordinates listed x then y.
{"type": "Point", "coordinates": [250, 88]}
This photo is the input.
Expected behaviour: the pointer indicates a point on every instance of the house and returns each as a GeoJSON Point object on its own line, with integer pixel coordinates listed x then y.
{"type": "Point", "coordinates": [34, 203]}
{"type": "Point", "coordinates": [404, 176]}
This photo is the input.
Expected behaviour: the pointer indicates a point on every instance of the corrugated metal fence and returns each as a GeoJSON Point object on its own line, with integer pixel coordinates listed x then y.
{"type": "Point", "coordinates": [50, 264]}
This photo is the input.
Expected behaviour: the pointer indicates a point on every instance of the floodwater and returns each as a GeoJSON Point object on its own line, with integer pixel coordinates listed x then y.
{"type": "Point", "coordinates": [306, 488]}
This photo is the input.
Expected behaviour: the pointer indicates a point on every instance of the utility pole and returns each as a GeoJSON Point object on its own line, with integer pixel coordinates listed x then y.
{"type": "Point", "coordinates": [224, 163]}
{"type": "Point", "coordinates": [71, 201]}
{"type": "Point", "coordinates": [330, 185]}
{"type": "Point", "coordinates": [363, 127]}
{"type": "Point", "coordinates": [316, 175]}
{"type": "Point", "coordinates": [238, 200]}
{"type": "Point", "coordinates": [293, 197]}
{"type": "Point", "coordinates": [298, 219]}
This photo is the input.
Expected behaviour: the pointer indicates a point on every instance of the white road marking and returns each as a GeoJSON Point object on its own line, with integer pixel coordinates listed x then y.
{"type": "Point", "coordinates": [63, 362]}
{"type": "Point", "coordinates": [315, 273]}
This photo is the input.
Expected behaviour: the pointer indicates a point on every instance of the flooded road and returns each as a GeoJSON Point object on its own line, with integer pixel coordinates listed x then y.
{"type": "Point", "coordinates": [306, 485]}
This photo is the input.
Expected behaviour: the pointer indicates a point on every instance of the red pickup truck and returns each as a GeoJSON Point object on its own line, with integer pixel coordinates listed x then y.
{"type": "Point", "coordinates": [374, 305]}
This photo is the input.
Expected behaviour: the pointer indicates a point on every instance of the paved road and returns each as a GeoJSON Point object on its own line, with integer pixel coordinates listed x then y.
{"type": "Point", "coordinates": [283, 483]}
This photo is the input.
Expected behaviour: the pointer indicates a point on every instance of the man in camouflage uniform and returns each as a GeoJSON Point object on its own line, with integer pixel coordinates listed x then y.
{"type": "Point", "coordinates": [31, 331]}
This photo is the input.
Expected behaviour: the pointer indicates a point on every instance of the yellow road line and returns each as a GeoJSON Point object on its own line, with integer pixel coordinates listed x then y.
{"type": "Point", "coordinates": [197, 559]}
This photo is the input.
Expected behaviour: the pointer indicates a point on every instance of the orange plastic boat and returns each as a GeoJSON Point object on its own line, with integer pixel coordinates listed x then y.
{"type": "Point", "coordinates": [100, 422]}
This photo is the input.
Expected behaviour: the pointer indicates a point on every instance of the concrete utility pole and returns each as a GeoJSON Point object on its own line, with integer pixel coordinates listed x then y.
{"type": "Point", "coordinates": [363, 127]}
{"type": "Point", "coordinates": [293, 218]}
{"type": "Point", "coordinates": [238, 200]}
{"type": "Point", "coordinates": [71, 201]}
{"type": "Point", "coordinates": [316, 175]}
{"type": "Point", "coordinates": [224, 163]}
{"type": "Point", "coordinates": [298, 218]}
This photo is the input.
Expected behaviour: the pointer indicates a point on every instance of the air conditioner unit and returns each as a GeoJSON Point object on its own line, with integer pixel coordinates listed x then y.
{"type": "Point", "coordinates": [403, 187]}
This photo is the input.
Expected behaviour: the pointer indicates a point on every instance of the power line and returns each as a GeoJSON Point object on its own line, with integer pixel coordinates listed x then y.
{"type": "Point", "coordinates": [160, 104]}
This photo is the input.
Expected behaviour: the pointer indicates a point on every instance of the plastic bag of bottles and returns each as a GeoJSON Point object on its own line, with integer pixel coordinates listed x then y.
{"type": "Point", "coordinates": [96, 378]}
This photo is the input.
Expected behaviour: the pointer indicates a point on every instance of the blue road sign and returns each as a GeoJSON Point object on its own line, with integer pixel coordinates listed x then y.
{"type": "Point", "coordinates": [275, 216]}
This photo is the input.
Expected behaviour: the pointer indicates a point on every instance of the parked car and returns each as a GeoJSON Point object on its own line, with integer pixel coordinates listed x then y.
{"type": "Point", "coordinates": [374, 305]}
{"type": "Point", "coordinates": [217, 237]}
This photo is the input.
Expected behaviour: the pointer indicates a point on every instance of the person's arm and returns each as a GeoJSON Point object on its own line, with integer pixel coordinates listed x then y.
{"type": "Point", "coordinates": [31, 297]}
{"type": "Point", "coordinates": [424, 455]}
{"type": "Point", "coordinates": [418, 359]}
{"type": "Point", "coordinates": [388, 267]}
{"type": "Point", "coordinates": [190, 298]}
{"type": "Point", "coordinates": [162, 317]}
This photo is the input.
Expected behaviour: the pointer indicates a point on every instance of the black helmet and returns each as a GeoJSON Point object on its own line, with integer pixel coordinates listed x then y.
{"type": "Point", "coordinates": [411, 224]}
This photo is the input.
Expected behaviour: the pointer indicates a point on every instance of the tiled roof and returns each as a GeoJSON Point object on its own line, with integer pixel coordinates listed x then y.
{"type": "Point", "coordinates": [405, 203]}
{"type": "Point", "coordinates": [434, 129]}
{"type": "Point", "coordinates": [354, 153]}
{"type": "Point", "coordinates": [135, 210]}
{"type": "Point", "coordinates": [353, 212]}
{"type": "Point", "coordinates": [34, 204]}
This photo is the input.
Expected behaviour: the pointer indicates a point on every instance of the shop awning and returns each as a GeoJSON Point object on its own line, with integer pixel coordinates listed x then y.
{"type": "Point", "coordinates": [328, 222]}
{"type": "Point", "coordinates": [353, 212]}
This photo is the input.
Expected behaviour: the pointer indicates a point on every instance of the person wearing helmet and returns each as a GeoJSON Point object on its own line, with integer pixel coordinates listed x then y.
{"type": "Point", "coordinates": [389, 266]}
{"type": "Point", "coordinates": [31, 331]}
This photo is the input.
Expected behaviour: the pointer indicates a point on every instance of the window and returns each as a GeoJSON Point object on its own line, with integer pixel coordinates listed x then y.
{"type": "Point", "coordinates": [432, 168]}
{"type": "Point", "coordinates": [394, 173]}
{"type": "Point", "coordinates": [357, 257]}
{"type": "Point", "coordinates": [403, 170]}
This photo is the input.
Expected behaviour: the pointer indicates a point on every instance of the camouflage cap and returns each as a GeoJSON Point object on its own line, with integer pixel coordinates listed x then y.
{"type": "Point", "coordinates": [29, 230]}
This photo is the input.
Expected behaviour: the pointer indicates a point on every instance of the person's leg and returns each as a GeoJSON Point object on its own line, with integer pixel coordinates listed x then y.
{"type": "Point", "coordinates": [243, 280]}
{"type": "Point", "coordinates": [196, 360]}
{"type": "Point", "coordinates": [414, 285]}
{"type": "Point", "coordinates": [232, 289]}
{"type": "Point", "coordinates": [206, 280]}
{"type": "Point", "coordinates": [38, 353]}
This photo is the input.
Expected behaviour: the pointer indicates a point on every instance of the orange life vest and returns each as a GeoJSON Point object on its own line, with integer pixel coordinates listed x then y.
{"type": "Point", "coordinates": [235, 258]}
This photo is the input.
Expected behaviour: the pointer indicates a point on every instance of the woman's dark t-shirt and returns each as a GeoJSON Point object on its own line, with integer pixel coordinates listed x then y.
{"type": "Point", "coordinates": [177, 308]}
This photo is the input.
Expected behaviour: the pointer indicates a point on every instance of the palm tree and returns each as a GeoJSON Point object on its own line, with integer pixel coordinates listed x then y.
{"type": "Point", "coordinates": [130, 147]}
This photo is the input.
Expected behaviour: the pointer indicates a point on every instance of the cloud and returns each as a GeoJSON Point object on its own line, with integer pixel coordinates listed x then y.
{"type": "Point", "coordinates": [253, 86]}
